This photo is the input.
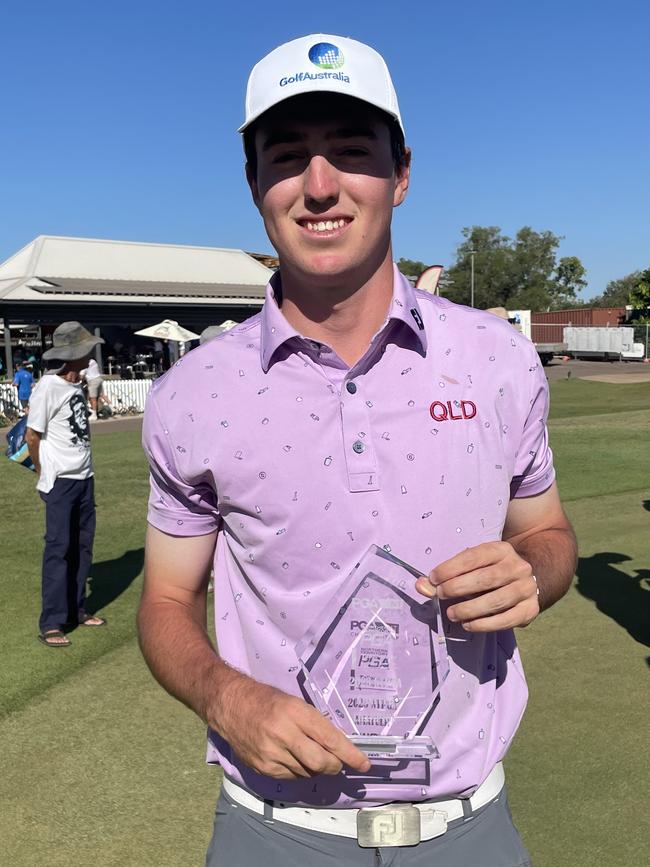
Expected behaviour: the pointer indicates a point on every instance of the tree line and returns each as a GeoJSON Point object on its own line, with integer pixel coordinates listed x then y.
{"type": "Point", "coordinates": [524, 273]}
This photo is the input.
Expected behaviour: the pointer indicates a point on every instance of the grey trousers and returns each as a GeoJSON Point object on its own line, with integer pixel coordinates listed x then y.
{"type": "Point", "coordinates": [241, 838]}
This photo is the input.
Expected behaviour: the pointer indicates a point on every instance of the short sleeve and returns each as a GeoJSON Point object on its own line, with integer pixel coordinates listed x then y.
{"type": "Point", "coordinates": [180, 503]}
{"type": "Point", "coordinates": [534, 471]}
{"type": "Point", "coordinates": [39, 407]}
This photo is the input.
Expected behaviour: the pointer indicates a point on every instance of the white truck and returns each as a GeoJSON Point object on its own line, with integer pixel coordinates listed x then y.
{"type": "Point", "coordinates": [601, 342]}
{"type": "Point", "coordinates": [586, 341]}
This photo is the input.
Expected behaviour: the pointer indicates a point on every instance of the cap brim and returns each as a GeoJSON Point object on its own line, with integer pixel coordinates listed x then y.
{"type": "Point", "coordinates": [322, 89]}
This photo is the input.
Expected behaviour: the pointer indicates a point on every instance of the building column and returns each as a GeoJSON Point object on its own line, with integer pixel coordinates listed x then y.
{"type": "Point", "coordinates": [9, 357]}
{"type": "Point", "coordinates": [98, 350]}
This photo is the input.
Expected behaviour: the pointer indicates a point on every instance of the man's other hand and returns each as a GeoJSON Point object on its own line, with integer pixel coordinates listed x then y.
{"type": "Point", "coordinates": [491, 588]}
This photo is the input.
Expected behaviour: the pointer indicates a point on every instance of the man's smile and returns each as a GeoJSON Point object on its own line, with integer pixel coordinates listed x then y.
{"type": "Point", "coordinates": [330, 227]}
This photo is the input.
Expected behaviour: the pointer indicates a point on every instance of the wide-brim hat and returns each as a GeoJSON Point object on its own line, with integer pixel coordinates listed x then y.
{"type": "Point", "coordinates": [71, 341]}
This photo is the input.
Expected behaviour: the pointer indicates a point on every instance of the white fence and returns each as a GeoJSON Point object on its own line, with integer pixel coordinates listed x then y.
{"type": "Point", "coordinates": [124, 394]}
{"type": "Point", "coordinates": [127, 394]}
{"type": "Point", "coordinates": [8, 399]}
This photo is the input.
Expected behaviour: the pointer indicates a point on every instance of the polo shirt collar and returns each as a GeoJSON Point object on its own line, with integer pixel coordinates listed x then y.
{"type": "Point", "coordinates": [405, 308]}
{"type": "Point", "coordinates": [276, 330]}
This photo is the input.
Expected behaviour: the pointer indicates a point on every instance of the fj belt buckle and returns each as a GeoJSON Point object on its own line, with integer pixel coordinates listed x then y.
{"type": "Point", "coordinates": [397, 825]}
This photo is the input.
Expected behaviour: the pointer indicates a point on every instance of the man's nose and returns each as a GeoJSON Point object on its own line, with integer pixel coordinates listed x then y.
{"type": "Point", "coordinates": [321, 184]}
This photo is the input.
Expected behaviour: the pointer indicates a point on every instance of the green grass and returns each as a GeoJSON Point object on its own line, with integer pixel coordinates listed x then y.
{"type": "Point", "coordinates": [100, 766]}
{"type": "Point", "coordinates": [580, 760]}
{"type": "Point", "coordinates": [601, 454]}
{"type": "Point", "coordinates": [121, 496]}
{"type": "Point", "coordinates": [577, 397]}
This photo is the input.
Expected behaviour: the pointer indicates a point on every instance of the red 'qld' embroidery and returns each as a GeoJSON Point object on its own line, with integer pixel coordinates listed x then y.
{"type": "Point", "coordinates": [447, 411]}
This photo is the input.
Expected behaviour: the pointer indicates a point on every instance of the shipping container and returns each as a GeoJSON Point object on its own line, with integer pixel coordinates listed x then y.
{"type": "Point", "coordinates": [607, 316]}
{"type": "Point", "coordinates": [547, 332]}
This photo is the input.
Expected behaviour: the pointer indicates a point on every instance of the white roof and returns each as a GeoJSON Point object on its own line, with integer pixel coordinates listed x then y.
{"type": "Point", "coordinates": [84, 269]}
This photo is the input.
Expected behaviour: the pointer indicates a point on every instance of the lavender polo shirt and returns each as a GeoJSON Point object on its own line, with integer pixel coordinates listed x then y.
{"type": "Point", "coordinates": [302, 463]}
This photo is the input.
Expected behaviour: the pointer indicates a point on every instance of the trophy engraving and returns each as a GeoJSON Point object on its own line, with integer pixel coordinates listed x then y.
{"type": "Point", "coordinates": [375, 660]}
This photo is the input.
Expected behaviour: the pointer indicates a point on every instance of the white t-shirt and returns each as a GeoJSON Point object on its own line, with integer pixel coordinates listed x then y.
{"type": "Point", "coordinates": [92, 371]}
{"type": "Point", "coordinates": [58, 411]}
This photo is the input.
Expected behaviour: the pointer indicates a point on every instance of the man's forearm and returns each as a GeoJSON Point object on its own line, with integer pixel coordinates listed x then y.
{"type": "Point", "coordinates": [553, 555]}
{"type": "Point", "coordinates": [34, 447]}
{"type": "Point", "coordinates": [181, 657]}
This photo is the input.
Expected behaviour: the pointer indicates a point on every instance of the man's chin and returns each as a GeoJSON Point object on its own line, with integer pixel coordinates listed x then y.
{"type": "Point", "coordinates": [321, 268]}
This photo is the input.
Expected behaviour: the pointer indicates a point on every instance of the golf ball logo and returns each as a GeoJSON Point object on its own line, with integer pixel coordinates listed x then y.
{"type": "Point", "coordinates": [324, 55]}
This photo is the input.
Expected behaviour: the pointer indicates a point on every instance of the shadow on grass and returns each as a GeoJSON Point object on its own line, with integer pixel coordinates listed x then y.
{"type": "Point", "coordinates": [110, 578]}
{"type": "Point", "coordinates": [646, 505]}
{"type": "Point", "coordinates": [624, 598]}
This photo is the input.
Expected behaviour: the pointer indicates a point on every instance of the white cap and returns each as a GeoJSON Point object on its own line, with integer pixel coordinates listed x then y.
{"type": "Point", "coordinates": [323, 63]}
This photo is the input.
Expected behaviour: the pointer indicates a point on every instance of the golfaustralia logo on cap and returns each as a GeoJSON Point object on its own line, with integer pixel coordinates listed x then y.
{"type": "Point", "coordinates": [326, 57]}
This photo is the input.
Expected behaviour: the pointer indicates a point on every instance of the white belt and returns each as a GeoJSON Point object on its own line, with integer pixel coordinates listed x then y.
{"type": "Point", "coordinates": [392, 824]}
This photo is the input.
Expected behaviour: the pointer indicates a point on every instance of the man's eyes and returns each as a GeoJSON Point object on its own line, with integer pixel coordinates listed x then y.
{"type": "Point", "coordinates": [351, 151]}
{"type": "Point", "coordinates": [286, 156]}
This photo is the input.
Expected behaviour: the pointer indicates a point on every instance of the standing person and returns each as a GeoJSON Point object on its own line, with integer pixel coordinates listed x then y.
{"type": "Point", "coordinates": [92, 375]}
{"type": "Point", "coordinates": [58, 438]}
{"type": "Point", "coordinates": [34, 366]}
{"type": "Point", "coordinates": [352, 411]}
{"type": "Point", "coordinates": [24, 381]}
{"type": "Point", "coordinates": [158, 356]}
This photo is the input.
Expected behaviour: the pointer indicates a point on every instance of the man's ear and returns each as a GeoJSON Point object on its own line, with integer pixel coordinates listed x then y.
{"type": "Point", "coordinates": [402, 177]}
{"type": "Point", "coordinates": [252, 183]}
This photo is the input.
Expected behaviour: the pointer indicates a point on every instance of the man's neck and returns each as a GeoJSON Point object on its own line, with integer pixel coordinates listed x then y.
{"type": "Point", "coordinates": [345, 318]}
{"type": "Point", "coordinates": [69, 376]}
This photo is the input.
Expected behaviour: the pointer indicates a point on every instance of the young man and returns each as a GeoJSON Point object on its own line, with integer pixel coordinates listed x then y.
{"type": "Point", "coordinates": [352, 411]}
{"type": "Point", "coordinates": [24, 381]}
{"type": "Point", "coordinates": [58, 438]}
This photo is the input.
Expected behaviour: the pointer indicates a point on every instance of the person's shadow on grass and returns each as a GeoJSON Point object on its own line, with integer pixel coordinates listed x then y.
{"type": "Point", "coordinates": [624, 598]}
{"type": "Point", "coordinates": [110, 578]}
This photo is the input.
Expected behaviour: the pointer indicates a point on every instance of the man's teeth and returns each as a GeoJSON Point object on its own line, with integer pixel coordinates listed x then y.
{"type": "Point", "coordinates": [326, 225]}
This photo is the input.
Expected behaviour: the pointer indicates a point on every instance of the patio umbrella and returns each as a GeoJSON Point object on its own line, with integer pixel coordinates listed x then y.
{"type": "Point", "coordinates": [168, 330]}
{"type": "Point", "coordinates": [213, 330]}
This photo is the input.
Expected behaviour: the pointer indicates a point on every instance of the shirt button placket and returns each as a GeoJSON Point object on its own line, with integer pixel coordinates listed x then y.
{"type": "Point", "coordinates": [360, 453]}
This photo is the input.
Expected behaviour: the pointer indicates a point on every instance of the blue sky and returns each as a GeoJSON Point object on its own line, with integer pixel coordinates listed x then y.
{"type": "Point", "coordinates": [119, 120]}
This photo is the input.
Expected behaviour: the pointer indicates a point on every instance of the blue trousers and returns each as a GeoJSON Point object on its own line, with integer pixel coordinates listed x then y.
{"type": "Point", "coordinates": [68, 554]}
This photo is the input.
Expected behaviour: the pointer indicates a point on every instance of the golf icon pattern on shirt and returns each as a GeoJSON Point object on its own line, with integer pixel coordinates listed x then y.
{"type": "Point", "coordinates": [258, 434]}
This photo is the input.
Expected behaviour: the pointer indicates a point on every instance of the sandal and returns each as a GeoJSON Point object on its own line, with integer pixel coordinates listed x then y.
{"type": "Point", "coordinates": [99, 621]}
{"type": "Point", "coordinates": [54, 638]}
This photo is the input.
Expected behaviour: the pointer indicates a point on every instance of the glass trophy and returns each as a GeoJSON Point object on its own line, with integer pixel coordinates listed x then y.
{"type": "Point", "coordinates": [374, 661]}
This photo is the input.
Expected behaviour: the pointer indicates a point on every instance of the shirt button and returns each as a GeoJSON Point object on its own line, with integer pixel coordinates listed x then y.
{"type": "Point", "coordinates": [358, 447]}
{"type": "Point", "coordinates": [351, 387]}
